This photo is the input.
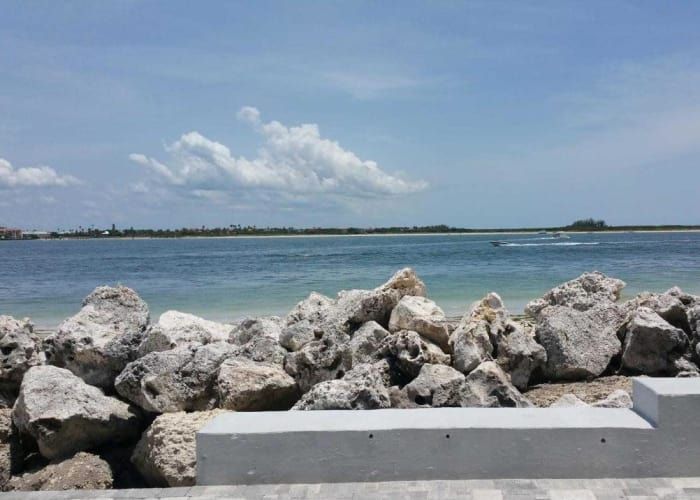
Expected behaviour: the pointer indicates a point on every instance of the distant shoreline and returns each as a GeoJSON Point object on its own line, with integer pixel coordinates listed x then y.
{"type": "Point", "coordinates": [345, 235]}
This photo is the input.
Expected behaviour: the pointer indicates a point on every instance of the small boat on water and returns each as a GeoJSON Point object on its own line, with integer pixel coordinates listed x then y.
{"type": "Point", "coordinates": [560, 235]}
{"type": "Point", "coordinates": [499, 243]}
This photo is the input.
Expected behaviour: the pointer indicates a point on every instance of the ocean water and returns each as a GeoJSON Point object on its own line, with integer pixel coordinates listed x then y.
{"type": "Point", "coordinates": [226, 279]}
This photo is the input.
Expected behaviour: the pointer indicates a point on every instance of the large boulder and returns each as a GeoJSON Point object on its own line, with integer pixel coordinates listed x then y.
{"type": "Point", "coordinates": [252, 328]}
{"type": "Point", "coordinates": [487, 386]}
{"type": "Point", "coordinates": [407, 352]}
{"type": "Point", "coordinates": [295, 336]}
{"type": "Point", "coordinates": [83, 471]}
{"type": "Point", "coordinates": [519, 354]}
{"type": "Point", "coordinates": [487, 331]}
{"type": "Point", "coordinates": [98, 342]}
{"type": "Point", "coordinates": [365, 342]}
{"type": "Point", "coordinates": [313, 309]}
{"type": "Point", "coordinates": [652, 346]}
{"type": "Point", "coordinates": [183, 378]}
{"type": "Point", "coordinates": [336, 319]}
{"type": "Point", "coordinates": [432, 379]}
{"type": "Point", "coordinates": [405, 282]}
{"type": "Point", "coordinates": [583, 293]}
{"type": "Point", "coordinates": [65, 415]}
{"type": "Point", "coordinates": [474, 339]}
{"type": "Point", "coordinates": [245, 385]}
{"type": "Point", "coordinates": [19, 351]}
{"type": "Point", "coordinates": [318, 361]}
{"type": "Point", "coordinates": [175, 329]}
{"type": "Point", "coordinates": [362, 388]}
{"type": "Point", "coordinates": [258, 339]}
{"type": "Point", "coordinates": [579, 344]}
{"type": "Point", "coordinates": [166, 454]}
{"type": "Point", "coordinates": [422, 316]}
{"type": "Point", "coordinates": [666, 305]}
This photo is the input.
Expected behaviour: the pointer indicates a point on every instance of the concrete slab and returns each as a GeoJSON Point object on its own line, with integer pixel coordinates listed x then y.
{"type": "Point", "coordinates": [659, 437]}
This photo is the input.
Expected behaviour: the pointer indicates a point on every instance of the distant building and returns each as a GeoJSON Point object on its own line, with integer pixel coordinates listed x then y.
{"type": "Point", "coordinates": [10, 233]}
{"type": "Point", "coordinates": [36, 235]}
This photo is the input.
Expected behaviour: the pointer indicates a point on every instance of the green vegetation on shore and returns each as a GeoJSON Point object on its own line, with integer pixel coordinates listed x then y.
{"type": "Point", "coordinates": [583, 225]}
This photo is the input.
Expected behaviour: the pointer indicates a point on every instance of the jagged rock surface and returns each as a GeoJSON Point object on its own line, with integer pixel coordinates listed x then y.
{"type": "Point", "coordinates": [407, 352]}
{"type": "Point", "coordinates": [183, 378]}
{"type": "Point", "coordinates": [487, 386]}
{"type": "Point", "coordinates": [98, 342]}
{"type": "Point", "coordinates": [652, 346]}
{"type": "Point", "coordinates": [166, 454]}
{"type": "Point", "coordinates": [245, 385]}
{"type": "Point", "coordinates": [65, 415]}
{"type": "Point", "coordinates": [176, 329]}
{"type": "Point", "coordinates": [365, 342]}
{"type": "Point", "coordinates": [362, 388]}
{"type": "Point", "coordinates": [19, 351]}
{"type": "Point", "coordinates": [587, 291]}
{"type": "Point", "coordinates": [422, 316]}
{"type": "Point", "coordinates": [318, 361]}
{"type": "Point", "coordinates": [579, 344]}
{"type": "Point", "coordinates": [432, 379]}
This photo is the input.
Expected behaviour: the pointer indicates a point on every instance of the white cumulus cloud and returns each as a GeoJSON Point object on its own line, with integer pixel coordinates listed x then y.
{"type": "Point", "coordinates": [40, 176]}
{"type": "Point", "coordinates": [293, 161]}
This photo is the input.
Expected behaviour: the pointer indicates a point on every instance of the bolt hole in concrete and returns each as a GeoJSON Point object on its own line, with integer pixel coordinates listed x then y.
{"type": "Point", "coordinates": [447, 436]}
{"type": "Point", "coordinates": [371, 436]}
{"type": "Point", "coordinates": [602, 440]}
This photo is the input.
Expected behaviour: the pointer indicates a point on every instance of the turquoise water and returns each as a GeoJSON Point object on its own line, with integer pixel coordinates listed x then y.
{"type": "Point", "coordinates": [225, 279]}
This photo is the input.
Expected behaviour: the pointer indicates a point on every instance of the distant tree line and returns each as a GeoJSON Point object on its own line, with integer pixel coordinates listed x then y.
{"type": "Point", "coordinates": [252, 230]}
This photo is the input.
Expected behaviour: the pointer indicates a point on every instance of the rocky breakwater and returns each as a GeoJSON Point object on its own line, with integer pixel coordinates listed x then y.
{"type": "Point", "coordinates": [112, 399]}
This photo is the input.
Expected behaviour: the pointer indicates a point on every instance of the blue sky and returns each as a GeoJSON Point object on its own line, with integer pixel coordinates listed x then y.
{"type": "Point", "coordinates": [475, 114]}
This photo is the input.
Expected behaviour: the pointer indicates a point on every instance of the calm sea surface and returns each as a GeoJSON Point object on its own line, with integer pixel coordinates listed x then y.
{"type": "Point", "coordinates": [225, 279]}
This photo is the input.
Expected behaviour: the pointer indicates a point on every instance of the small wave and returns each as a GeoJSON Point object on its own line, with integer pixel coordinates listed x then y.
{"type": "Point", "coordinates": [562, 244]}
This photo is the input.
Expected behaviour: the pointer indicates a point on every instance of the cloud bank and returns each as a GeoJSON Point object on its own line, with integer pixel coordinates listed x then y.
{"type": "Point", "coordinates": [40, 176]}
{"type": "Point", "coordinates": [293, 162]}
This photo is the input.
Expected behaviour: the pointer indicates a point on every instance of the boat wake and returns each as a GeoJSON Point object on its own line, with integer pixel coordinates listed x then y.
{"type": "Point", "coordinates": [559, 244]}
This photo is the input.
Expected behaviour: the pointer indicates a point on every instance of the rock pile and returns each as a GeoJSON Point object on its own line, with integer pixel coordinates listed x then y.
{"type": "Point", "coordinates": [110, 380]}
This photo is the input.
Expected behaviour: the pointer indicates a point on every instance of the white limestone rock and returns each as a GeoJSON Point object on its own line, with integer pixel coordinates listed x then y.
{"type": "Point", "coordinates": [312, 309]}
{"type": "Point", "coordinates": [422, 316]}
{"type": "Point", "coordinates": [407, 352]}
{"type": "Point", "coordinates": [179, 379]}
{"type": "Point", "coordinates": [258, 339]}
{"type": "Point", "coordinates": [519, 354]}
{"type": "Point", "coordinates": [405, 282]}
{"type": "Point", "coordinates": [585, 292]}
{"type": "Point", "coordinates": [166, 454]}
{"type": "Point", "coordinates": [245, 385]}
{"type": "Point", "coordinates": [318, 361]}
{"type": "Point", "coordinates": [487, 386]}
{"type": "Point", "coordinates": [176, 329]}
{"type": "Point", "coordinates": [579, 344]}
{"type": "Point", "coordinates": [569, 401]}
{"type": "Point", "coordinates": [362, 388]}
{"type": "Point", "coordinates": [20, 349]}
{"type": "Point", "coordinates": [432, 379]}
{"type": "Point", "coordinates": [252, 328]}
{"type": "Point", "coordinates": [295, 336]}
{"type": "Point", "coordinates": [365, 342]}
{"type": "Point", "coordinates": [652, 345]}
{"type": "Point", "coordinates": [616, 399]}
{"type": "Point", "coordinates": [668, 306]}
{"type": "Point", "coordinates": [65, 415]}
{"type": "Point", "coordinates": [98, 342]}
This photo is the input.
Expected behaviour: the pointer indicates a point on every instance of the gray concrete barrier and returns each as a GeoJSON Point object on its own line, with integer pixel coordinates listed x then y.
{"type": "Point", "coordinates": [660, 436]}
